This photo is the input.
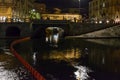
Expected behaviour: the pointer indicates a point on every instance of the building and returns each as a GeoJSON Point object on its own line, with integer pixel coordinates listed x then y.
{"type": "Point", "coordinates": [62, 16]}
{"type": "Point", "coordinates": [15, 10]}
{"type": "Point", "coordinates": [104, 9]}
{"type": "Point", "coordinates": [40, 7]}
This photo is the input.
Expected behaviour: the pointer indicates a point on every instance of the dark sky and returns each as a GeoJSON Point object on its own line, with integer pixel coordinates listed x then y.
{"type": "Point", "coordinates": [66, 4]}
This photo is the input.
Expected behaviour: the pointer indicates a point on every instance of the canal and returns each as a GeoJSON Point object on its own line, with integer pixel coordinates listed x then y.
{"type": "Point", "coordinates": [66, 59]}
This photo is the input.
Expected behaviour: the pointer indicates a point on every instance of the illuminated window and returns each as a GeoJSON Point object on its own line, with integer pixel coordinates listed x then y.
{"type": "Point", "coordinates": [103, 4]}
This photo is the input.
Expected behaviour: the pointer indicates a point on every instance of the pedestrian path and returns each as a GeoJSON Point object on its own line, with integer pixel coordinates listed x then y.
{"type": "Point", "coordinates": [11, 68]}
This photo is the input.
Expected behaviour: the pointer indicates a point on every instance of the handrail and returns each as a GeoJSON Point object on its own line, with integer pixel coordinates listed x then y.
{"type": "Point", "coordinates": [34, 72]}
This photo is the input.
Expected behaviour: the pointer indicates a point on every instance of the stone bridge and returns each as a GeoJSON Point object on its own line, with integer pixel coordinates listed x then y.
{"type": "Point", "coordinates": [22, 29]}
{"type": "Point", "coordinates": [15, 29]}
{"type": "Point", "coordinates": [65, 25]}
{"type": "Point", "coordinates": [72, 29]}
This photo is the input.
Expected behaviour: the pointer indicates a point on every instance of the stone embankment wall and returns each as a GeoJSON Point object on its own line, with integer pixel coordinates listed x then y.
{"type": "Point", "coordinates": [108, 32]}
{"type": "Point", "coordinates": [94, 29]}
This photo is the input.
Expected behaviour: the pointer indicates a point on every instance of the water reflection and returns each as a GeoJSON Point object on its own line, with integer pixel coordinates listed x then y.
{"type": "Point", "coordinates": [110, 42]}
{"type": "Point", "coordinates": [34, 58]}
{"type": "Point", "coordinates": [63, 55]}
{"type": "Point", "coordinates": [74, 59]}
{"type": "Point", "coordinates": [95, 60]}
{"type": "Point", "coordinates": [81, 73]}
{"type": "Point", "coordinates": [68, 55]}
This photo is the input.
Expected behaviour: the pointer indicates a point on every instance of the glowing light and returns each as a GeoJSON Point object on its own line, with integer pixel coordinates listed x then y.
{"type": "Point", "coordinates": [34, 58]}
{"type": "Point", "coordinates": [103, 60]}
{"type": "Point", "coordinates": [33, 10]}
{"type": "Point", "coordinates": [81, 73]}
{"type": "Point", "coordinates": [56, 38]}
{"type": "Point", "coordinates": [6, 74]}
{"type": "Point", "coordinates": [50, 37]}
{"type": "Point", "coordinates": [46, 39]}
{"type": "Point", "coordinates": [117, 20]}
{"type": "Point", "coordinates": [100, 22]}
{"type": "Point", "coordinates": [107, 21]}
{"type": "Point", "coordinates": [96, 22]}
{"type": "Point", "coordinates": [71, 17]}
{"type": "Point", "coordinates": [103, 5]}
{"type": "Point", "coordinates": [2, 18]}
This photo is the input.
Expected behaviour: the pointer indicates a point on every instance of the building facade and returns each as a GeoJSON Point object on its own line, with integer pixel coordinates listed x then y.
{"type": "Point", "coordinates": [40, 7]}
{"type": "Point", "coordinates": [16, 10]}
{"type": "Point", "coordinates": [62, 16]}
{"type": "Point", "coordinates": [105, 9]}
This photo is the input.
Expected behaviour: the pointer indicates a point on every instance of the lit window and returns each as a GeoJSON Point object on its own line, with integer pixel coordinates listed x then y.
{"type": "Point", "coordinates": [103, 4]}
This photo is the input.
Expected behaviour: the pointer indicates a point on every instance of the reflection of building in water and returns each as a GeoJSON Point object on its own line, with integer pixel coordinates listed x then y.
{"type": "Point", "coordinates": [67, 55]}
{"type": "Point", "coordinates": [71, 17]}
{"type": "Point", "coordinates": [15, 9]}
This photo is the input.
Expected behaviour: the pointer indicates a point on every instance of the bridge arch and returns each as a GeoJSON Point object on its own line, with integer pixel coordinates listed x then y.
{"type": "Point", "coordinates": [13, 31]}
{"type": "Point", "coordinates": [54, 30]}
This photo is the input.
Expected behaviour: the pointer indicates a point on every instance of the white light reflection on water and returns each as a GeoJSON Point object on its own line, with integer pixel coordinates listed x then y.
{"type": "Point", "coordinates": [11, 69]}
{"type": "Point", "coordinates": [81, 73]}
{"type": "Point", "coordinates": [34, 58]}
{"type": "Point", "coordinates": [6, 74]}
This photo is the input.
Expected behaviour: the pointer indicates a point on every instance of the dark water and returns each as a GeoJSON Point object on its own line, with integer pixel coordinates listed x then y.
{"type": "Point", "coordinates": [74, 59]}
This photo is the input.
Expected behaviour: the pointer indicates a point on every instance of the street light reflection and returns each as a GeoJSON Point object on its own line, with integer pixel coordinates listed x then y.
{"type": "Point", "coordinates": [81, 73]}
{"type": "Point", "coordinates": [34, 58]}
{"type": "Point", "coordinates": [6, 74]}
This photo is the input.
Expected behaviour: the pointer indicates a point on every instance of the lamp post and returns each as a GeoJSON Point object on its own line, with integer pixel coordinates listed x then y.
{"type": "Point", "coordinates": [79, 9]}
{"type": "Point", "coordinates": [79, 6]}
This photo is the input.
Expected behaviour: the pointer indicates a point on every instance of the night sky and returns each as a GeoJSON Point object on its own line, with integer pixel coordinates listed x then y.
{"type": "Point", "coordinates": [66, 4]}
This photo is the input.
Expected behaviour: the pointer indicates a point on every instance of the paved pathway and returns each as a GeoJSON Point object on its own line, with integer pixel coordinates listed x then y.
{"type": "Point", "coordinates": [11, 68]}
